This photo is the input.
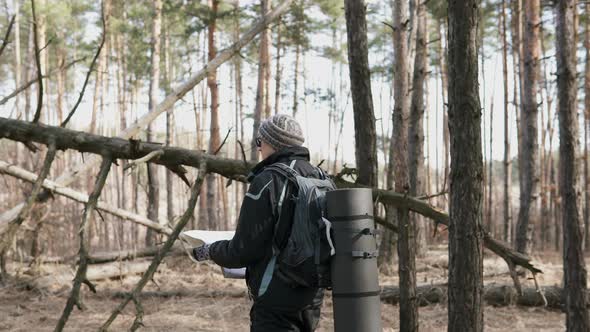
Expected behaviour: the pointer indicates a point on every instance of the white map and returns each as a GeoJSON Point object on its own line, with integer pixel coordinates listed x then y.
{"type": "Point", "coordinates": [195, 238]}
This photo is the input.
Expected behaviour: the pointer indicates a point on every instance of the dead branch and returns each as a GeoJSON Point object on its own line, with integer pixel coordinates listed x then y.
{"type": "Point", "coordinates": [80, 278]}
{"type": "Point", "coordinates": [38, 63]}
{"type": "Point", "coordinates": [90, 70]}
{"type": "Point", "coordinates": [6, 168]}
{"type": "Point", "coordinates": [195, 190]}
{"type": "Point", "coordinates": [70, 176]}
{"type": "Point", "coordinates": [33, 81]}
{"type": "Point", "coordinates": [148, 157]}
{"type": "Point", "coordinates": [138, 321]}
{"type": "Point", "coordinates": [7, 35]}
{"type": "Point", "coordinates": [8, 233]}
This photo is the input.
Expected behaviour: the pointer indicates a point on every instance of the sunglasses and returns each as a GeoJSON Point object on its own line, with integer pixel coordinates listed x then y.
{"type": "Point", "coordinates": [258, 142]}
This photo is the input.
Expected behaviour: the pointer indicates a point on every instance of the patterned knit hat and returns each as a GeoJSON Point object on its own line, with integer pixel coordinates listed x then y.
{"type": "Point", "coordinates": [281, 131]}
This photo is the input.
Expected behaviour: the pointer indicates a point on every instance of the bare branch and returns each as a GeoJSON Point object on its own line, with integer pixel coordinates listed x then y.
{"type": "Point", "coordinates": [222, 143]}
{"type": "Point", "coordinates": [7, 35]}
{"type": "Point", "coordinates": [33, 81]}
{"type": "Point", "coordinates": [38, 63]}
{"type": "Point", "coordinates": [90, 70]}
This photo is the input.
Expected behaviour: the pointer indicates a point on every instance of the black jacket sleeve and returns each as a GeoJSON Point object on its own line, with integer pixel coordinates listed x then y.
{"type": "Point", "coordinates": [255, 225]}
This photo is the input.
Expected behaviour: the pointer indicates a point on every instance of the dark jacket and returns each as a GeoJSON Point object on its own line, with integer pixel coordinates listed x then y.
{"type": "Point", "coordinates": [251, 246]}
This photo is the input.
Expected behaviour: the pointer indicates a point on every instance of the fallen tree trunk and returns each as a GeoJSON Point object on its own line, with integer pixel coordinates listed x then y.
{"type": "Point", "coordinates": [56, 281]}
{"type": "Point", "coordinates": [234, 169]}
{"type": "Point", "coordinates": [124, 255]}
{"type": "Point", "coordinates": [494, 294]}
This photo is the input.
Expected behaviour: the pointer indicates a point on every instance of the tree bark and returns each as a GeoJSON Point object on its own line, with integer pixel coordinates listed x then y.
{"type": "Point", "coordinates": [507, 206]}
{"type": "Point", "coordinates": [416, 125]}
{"type": "Point", "coordinates": [261, 88]}
{"type": "Point", "coordinates": [214, 140]}
{"type": "Point", "coordinates": [153, 207]}
{"type": "Point", "coordinates": [529, 151]}
{"type": "Point", "coordinates": [465, 230]}
{"type": "Point", "coordinates": [574, 267]}
{"type": "Point", "coordinates": [362, 99]}
{"type": "Point", "coordinates": [399, 142]}
{"type": "Point", "coordinates": [587, 131]}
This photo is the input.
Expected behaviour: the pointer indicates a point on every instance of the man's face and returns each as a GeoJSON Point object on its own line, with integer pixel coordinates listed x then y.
{"type": "Point", "coordinates": [265, 149]}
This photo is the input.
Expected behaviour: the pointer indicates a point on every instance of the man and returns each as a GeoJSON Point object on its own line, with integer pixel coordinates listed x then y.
{"type": "Point", "coordinates": [266, 215]}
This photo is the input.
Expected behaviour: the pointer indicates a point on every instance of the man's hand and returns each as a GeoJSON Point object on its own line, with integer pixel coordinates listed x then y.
{"type": "Point", "coordinates": [201, 253]}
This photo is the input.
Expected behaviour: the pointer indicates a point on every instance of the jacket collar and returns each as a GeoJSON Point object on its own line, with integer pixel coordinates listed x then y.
{"type": "Point", "coordinates": [286, 154]}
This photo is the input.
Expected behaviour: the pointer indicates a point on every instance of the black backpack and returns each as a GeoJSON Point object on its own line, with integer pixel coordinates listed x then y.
{"type": "Point", "coordinates": [305, 259]}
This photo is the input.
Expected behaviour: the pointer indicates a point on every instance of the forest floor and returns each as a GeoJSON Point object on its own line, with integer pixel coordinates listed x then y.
{"type": "Point", "coordinates": [198, 298]}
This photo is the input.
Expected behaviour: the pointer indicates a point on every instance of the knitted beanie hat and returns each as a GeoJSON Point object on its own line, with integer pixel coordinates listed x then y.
{"type": "Point", "coordinates": [281, 131]}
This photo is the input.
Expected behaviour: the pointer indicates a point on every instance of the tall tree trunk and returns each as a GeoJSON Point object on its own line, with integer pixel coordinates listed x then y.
{"type": "Point", "coordinates": [296, 79]}
{"type": "Point", "coordinates": [586, 131]}
{"type": "Point", "coordinates": [507, 206]}
{"type": "Point", "coordinates": [465, 230]}
{"type": "Point", "coordinates": [153, 180]}
{"type": "Point", "coordinates": [529, 150]}
{"type": "Point", "coordinates": [362, 99]}
{"type": "Point", "coordinates": [279, 69]}
{"type": "Point", "coordinates": [406, 247]}
{"type": "Point", "coordinates": [442, 51]}
{"type": "Point", "coordinates": [574, 267]}
{"type": "Point", "coordinates": [261, 89]}
{"type": "Point", "coordinates": [416, 125]}
{"type": "Point", "coordinates": [214, 140]}
{"type": "Point", "coordinates": [17, 72]}
{"type": "Point", "coordinates": [169, 123]}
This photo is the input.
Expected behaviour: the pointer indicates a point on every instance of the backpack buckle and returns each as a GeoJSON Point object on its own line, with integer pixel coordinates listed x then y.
{"type": "Point", "coordinates": [364, 254]}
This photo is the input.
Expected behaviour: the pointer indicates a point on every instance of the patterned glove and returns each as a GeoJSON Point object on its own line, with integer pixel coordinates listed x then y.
{"type": "Point", "coordinates": [201, 253]}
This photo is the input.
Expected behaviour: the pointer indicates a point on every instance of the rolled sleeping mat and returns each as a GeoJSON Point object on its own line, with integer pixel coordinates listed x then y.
{"type": "Point", "coordinates": [355, 284]}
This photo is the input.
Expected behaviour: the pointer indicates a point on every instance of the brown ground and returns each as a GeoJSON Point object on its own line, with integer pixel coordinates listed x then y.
{"type": "Point", "coordinates": [213, 303]}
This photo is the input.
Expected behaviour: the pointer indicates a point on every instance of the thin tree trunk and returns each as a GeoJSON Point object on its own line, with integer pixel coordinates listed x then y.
{"type": "Point", "coordinates": [261, 91]}
{"type": "Point", "coordinates": [406, 247]}
{"type": "Point", "coordinates": [279, 69]}
{"type": "Point", "coordinates": [586, 131]}
{"type": "Point", "coordinates": [214, 140]}
{"type": "Point", "coordinates": [574, 267]}
{"type": "Point", "coordinates": [362, 99]}
{"type": "Point", "coordinates": [465, 230]}
{"type": "Point", "coordinates": [169, 124]}
{"type": "Point", "coordinates": [153, 180]}
{"type": "Point", "coordinates": [296, 79]}
{"type": "Point", "coordinates": [529, 151]}
{"type": "Point", "coordinates": [507, 206]}
{"type": "Point", "coordinates": [416, 124]}
{"type": "Point", "coordinates": [442, 50]}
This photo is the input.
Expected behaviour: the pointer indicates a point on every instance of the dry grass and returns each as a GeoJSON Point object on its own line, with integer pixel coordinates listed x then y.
{"type": "Point", "coordinates": [212, 303]}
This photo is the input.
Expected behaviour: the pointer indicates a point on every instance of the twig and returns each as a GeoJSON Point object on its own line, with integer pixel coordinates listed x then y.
{"type": "Point", "coordinates": [427, 197]}
{"type": "Point", "coordinates": [243, 153]}
{"type": "Point", "coordinates": [144, 159]}
{"type": "Point", "coordinates": [7, 236]}
{"type": "Point", "coordinates": [80, 278]}
{"type": "Point", "coordinates": [90, 70]}
{"type": "Point", "coordinates": [33, 81]}
{"type": "Point", "coordinates": [222, 143]}
{"type": "Point", "coordinates": [38, 63]}
{"type": "Point", "coordinates": [138, 321]}
{"type": "Point", "coordinates": [7, 35]}
{"type": "Point", "coordinates": [539, 290]}
{"type": "Point", "coordinates": [195, 190]}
